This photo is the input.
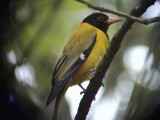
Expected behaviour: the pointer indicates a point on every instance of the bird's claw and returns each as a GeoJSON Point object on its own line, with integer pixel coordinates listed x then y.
{"type": "Point", "coordinates": [102, 84]}
{"type": "Point", "coordinates": [82, 92]}
{"type": "Point", "coordinates": [93, 71]}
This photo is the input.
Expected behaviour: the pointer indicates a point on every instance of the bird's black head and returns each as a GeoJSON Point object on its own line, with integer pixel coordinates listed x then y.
{"type": "Point", "coordinates": [100, 21]}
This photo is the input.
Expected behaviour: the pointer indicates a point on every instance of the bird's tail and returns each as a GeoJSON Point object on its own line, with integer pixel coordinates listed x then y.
{"type": "Point", "coordinates": [57, 107]}
{"type": "Point", "coordinates": [58, 102]}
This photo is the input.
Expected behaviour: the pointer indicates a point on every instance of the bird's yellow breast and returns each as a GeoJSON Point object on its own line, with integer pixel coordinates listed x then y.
{"type": "Point", "coordinates": [95, 57]}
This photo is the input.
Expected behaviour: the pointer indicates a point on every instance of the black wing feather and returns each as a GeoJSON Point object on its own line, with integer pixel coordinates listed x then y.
{"type": "Point", "coordinates": [73, 69]}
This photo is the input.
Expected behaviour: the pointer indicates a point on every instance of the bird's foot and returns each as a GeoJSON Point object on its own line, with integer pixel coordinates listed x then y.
{"type": "Point", "coordinates": [102, 84]}
{"type": "Point", "coordinates": [92, 71]}
{"type": "Point", "coordinates": [84, 90]}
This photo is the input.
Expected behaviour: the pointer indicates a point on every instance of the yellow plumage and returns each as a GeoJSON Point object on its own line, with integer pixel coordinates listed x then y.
{"type": "Point", "coordinates": [87, 31]}
{"type": "Point", "coordinates": [83, 53]}
{"type": "Point", "coordinates": [81, 40]}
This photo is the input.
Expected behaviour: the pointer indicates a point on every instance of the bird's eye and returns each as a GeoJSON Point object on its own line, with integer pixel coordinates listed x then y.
{"type": "Point", "coordinates": [100, 18]}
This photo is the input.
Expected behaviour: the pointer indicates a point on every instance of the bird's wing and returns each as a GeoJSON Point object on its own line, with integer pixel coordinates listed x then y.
{"type": "Point", "coordinates": [80, 41]}
{"type": "Point", "coordinates": [74, 55]}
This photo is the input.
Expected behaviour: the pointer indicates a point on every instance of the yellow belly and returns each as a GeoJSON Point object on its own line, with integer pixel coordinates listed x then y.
{"type": "Point", "coordinates": [93, 60]}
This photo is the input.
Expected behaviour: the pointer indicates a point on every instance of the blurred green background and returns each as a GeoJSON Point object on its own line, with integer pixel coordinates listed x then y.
{"type": "Point", "coordinates": [32, 36]}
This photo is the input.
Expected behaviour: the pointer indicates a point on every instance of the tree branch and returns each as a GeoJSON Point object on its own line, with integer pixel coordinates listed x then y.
{"type": "Point", "coordinates": [96, 81]}
{"type": "Point", "coordinates": [140, 20]}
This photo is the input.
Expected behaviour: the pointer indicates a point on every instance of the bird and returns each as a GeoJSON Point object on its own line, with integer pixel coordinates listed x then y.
{"type": "Point", "coordinates": [81, 56]}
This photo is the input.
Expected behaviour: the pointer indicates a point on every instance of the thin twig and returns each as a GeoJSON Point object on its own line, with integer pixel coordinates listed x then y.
{"type": "Point", "coordinates": [96, 81]}
{"type": "Point", "coordinates": [140, 20]}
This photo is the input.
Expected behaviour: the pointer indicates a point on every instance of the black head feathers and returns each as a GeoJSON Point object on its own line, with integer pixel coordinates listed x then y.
{"type": "Point", "coordinates": [100, 21]}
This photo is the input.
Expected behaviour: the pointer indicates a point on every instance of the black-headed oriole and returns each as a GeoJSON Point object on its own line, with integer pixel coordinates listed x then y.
{"type": "Point", "coordinates": [82, 54]}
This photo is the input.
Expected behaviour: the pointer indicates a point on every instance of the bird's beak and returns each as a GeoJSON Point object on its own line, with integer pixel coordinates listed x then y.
{"type": "Point", "coordinates": [113, 20]}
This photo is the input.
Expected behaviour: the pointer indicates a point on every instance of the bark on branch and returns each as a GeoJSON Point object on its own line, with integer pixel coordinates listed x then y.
{"type": "Point", "coordinates": [131, 17]}
{"type": "Point", "coordinates": [96, 81]}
